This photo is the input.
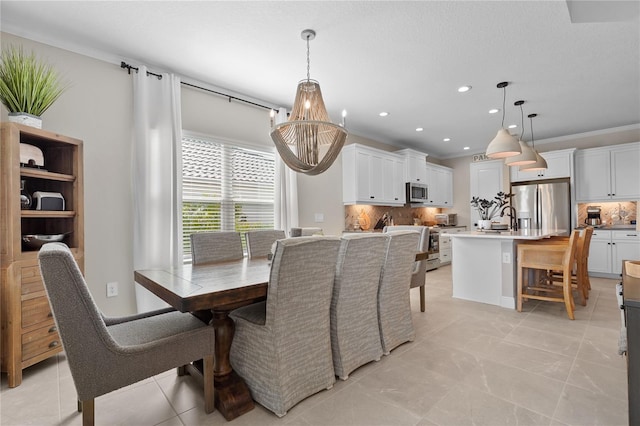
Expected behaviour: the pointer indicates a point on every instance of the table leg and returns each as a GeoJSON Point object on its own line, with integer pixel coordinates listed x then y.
{"type": "Point", "coordinates": [232, 395]}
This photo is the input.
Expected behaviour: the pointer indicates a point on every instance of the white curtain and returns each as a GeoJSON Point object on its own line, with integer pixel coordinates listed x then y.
{"type": "Point", "coordinates": [157, 178]}
{"type": "Point", "coordinates": [286, 202]}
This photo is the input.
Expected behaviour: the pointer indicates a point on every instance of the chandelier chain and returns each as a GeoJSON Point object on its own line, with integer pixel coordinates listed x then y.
{"type": "Point", "coordinates": [308, 60]}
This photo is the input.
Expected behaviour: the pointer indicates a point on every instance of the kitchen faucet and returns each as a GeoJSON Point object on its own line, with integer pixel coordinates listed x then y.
{"type": "Point", "coordinates": [513, 222]}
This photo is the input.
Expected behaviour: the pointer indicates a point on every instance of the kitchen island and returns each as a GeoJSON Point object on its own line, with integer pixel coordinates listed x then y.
{"type": "Point", "coordinates": [484, 264]}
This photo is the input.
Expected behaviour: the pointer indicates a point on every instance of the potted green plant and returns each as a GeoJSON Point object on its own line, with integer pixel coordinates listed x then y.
{"type": "Point", "coordinates": [28, 86]}
{"type": "Point", "coordinates": [488, 209]}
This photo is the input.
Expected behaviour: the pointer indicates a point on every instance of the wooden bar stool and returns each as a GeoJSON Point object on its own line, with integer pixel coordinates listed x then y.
{"type": "Point", "coordinates": [547, 257]}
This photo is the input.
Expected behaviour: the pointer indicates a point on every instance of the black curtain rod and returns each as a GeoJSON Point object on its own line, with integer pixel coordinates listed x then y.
{"type": "Point", "coordinates": [130, 67]}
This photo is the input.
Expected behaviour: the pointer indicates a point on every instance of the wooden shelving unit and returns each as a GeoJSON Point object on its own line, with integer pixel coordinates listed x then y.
{"type": "Point", "coordinates": [29, 333]}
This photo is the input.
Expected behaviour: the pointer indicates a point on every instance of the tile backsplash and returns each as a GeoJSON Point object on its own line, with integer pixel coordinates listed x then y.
{"type": "Point", "coordinates": [360, 214]}
{"type": "Point", "coordinates": [611, 213]}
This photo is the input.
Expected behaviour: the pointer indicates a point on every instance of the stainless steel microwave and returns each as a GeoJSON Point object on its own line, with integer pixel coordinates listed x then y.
{"type": "Point", "coordinates": [417, 192]}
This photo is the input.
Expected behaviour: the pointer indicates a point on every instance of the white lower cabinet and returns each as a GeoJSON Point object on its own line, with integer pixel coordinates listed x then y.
{"type": "Point", "coordinates": [609, 248]}
{"type": "Point", "coordinates": [446, 255]}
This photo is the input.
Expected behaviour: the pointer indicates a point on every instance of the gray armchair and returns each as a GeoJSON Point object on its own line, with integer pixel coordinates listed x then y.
{"type": "Point", "coordinates": [105, 354]}
{"type": "Point", "coordinates": [282, 347]}
{"type": "Point", "coordinates": [355, 335]}
{"type": "Point", "coordinates": [418, 276]}
{"type": "Point", "coordinates": [394, 306]}
{"type": "Point", "coordinates": [209, 247]}
{"type": "Point", "coordinates": [260, 241]}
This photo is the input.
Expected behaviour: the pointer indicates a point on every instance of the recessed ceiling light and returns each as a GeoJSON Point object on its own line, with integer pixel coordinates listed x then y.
{"type": "Point", "coordinates": [446, 139]}
{"type": "Point", "coordinates": [419, 129]}
{"type": "Point", "coordinates": [513, 126]}
{"type": "Point", "coordinates": [493, 111]}
{"type": "Point", "coordinates": [465, 148]}
{"type": "Point", "coordinates": [384, 114]}
{"type": "Point", "coordinates": [463, 89]}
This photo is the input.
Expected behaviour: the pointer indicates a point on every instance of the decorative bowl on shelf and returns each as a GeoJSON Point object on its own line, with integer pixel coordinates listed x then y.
{"type": "Point", "coordinates": [36, 241]}
{"type": "Point", "coordinates": [500, 226]}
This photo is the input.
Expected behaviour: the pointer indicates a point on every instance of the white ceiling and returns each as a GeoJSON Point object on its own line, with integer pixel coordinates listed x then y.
{"type": "Point", "coordinates": [404, 57]}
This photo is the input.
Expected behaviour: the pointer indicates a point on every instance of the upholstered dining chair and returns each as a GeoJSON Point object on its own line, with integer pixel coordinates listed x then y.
{"type": "Point", "coordinates": [260, 241]}
{"type": "Point", "coordinates": [419, 274]}
{"type": "Point", "coordinates": [305, 232]}
{"type": "Point", "coordinates": [105, 354]}
{"type": "Point", "coordinates": [282, 346]}
{"type": "Point", "coordinates": [355, 335]}
{"type": "Point", "coordinates": [394, 305]}
{"type": "Point", "coordinates": [547, 257]}
{"type": "Point", "coordinates": [207, 247]}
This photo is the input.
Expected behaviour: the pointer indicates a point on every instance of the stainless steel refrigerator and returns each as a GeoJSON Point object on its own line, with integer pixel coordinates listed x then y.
{"type": "Point", "coordinates": [544, 204]}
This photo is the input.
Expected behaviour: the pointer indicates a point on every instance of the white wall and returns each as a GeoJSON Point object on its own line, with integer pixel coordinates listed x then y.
{"type": "Point", "coordinates": [97, 108]}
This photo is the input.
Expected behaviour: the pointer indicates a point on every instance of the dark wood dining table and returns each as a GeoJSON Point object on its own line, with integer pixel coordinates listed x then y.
{"type": "Point", "coordinates": [210, 292]}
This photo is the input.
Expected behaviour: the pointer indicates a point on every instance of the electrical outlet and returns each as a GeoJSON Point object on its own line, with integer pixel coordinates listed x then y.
{"type": "Point", "coordinates": [319, 217]}
{"type": "Point", "coordinates": [506, 257]}
{"type": "Point", "coordinates": [112, 289]}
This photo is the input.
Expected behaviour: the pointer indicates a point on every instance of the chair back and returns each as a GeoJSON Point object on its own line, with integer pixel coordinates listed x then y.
{"type": "Point", "coordinates": [305, 232]}
{"type": "Point", "coordinates": [420, 266]}
{"type": "Point", "coordinates": [82, 330]}
{"type": "Point", "coordinates": [394, 305]}
{"type": "Point", "coordinates": [570, 255]}
{"type": "Point", "coordinates": [355, 336]}
{"type": "Point", "coordinates": [209, 247]}
{"type": "Point", "coordinates": [260, 241]}
{"type": "Point", "coordinates": [300, 287]}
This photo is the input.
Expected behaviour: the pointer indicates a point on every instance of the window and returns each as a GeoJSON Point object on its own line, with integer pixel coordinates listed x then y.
{"type": "Point", "coordinates": [225, 188]}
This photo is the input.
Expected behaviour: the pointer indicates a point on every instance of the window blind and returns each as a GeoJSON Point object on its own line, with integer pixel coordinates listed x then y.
{"type": "Point", "coordinates": [225, 188]}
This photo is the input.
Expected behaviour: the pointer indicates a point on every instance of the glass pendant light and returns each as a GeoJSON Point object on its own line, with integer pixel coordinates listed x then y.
{"type": "Point", "coordinates": [541, 163]}
{"type": "Point", "coordinates": [503, 145]}
{"type": "Point", "coordinates": [527, 156]}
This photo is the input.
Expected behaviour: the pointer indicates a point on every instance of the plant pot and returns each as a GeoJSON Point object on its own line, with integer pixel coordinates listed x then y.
{"type": "Point", "coordinates": [484, 224]}
{"type": "Point", "coordinates": [26, 119]}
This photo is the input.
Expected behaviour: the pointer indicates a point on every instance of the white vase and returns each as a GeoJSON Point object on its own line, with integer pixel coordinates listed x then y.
{"type": "Point", "coordinates": [484, 224]}
{"type": "Point", "coordinates": [26, 119]}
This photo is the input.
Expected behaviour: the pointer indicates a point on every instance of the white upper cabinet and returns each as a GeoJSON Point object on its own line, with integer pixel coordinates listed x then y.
{"type": "Point", "coordinates": [440, 186]}
{"type": "Point", "coordinates": [416, 165]}
{"type": "Point", "coordinates": [439, 179]}
{"type": "Point", "coordinates": [371, 176]}
{"type": "Point", "coordinates": [559, 165]}
{"type": "Point", "coordinates": [608, 173]}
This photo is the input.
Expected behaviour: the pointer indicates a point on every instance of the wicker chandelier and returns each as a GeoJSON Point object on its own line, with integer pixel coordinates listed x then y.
{"type": "Point", "coordinates": [308, 142]}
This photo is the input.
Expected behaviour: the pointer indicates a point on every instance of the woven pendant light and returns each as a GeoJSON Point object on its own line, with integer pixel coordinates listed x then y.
{"type": "Point", "coordinates": [308, 142]}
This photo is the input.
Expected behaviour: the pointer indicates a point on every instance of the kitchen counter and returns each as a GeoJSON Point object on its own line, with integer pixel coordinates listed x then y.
{"type": "Point", "coordinates": [484, 264]}
{"type": "Point", "coordinates": [523, 234]}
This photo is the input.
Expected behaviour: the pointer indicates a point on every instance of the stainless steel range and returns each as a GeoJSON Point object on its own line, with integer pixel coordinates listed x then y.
{"type": "Point", "coordinates": [433, 250]}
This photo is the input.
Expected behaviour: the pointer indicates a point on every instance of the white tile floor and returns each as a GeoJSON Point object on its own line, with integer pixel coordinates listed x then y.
{"type": "Point", "coordinates": [470, 364]}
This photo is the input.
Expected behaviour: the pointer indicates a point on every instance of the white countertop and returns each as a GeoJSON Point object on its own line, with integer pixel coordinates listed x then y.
{"type": "Point", "coordinates": [523, 234]}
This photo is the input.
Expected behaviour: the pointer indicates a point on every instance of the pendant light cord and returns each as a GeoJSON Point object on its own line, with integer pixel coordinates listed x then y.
{"type": "Point", "coordinates": [504, 98]}
{"type": "Point", "coordinates": [522, 121]}
{"type": "Point", "coordinates": [533, 144]}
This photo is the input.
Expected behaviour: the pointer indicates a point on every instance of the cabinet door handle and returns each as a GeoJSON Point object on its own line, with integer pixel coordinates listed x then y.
{"type": "Point", "coordinates": [53, 329]}
{"type": "Point", "coordinates": [632, 235]}
{"type": "Point", "coordinates": [372, 197]}
{"type": "Point", "coordinates": [54, 344]}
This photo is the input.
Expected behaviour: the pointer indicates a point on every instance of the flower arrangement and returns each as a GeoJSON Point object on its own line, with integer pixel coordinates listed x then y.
{"type": "Point", "coordinates": [488, 209]}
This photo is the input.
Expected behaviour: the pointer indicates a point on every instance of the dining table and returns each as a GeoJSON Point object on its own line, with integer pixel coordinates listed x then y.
{"type": "Point", "coordinates": [210, 292]}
